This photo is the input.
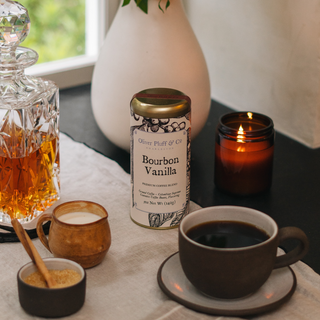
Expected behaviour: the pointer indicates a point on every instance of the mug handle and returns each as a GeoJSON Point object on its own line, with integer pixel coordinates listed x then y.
{"type": "Point", "coordinates": [43, 218]}
{"type": "Point", "coordinates": [298, 252]}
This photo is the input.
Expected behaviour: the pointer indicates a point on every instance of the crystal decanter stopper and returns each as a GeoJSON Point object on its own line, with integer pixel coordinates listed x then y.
{"type": "Point", "coordinates": [29, 124]}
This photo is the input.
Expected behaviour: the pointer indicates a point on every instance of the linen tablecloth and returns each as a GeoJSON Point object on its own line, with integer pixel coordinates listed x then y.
{"type": "Point", "coordinates": [124, 285]}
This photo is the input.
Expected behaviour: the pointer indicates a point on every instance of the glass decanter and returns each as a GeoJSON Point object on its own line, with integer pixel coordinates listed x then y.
{"type": "Point", "coordinates": [29, 125]}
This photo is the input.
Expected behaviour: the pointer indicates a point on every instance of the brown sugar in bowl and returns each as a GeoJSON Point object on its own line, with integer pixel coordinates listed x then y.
{"type": "Point", "coordinates": [51, 302]}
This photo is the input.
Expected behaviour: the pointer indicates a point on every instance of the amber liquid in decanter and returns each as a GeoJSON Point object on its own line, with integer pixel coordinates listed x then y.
{"type": "Point", "coordinates": [29, 125]}
{"type": "Point", "coordinates": [27, 183]}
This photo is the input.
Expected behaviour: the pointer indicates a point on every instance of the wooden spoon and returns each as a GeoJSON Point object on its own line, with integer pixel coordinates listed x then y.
{"type": "Point", "coordinates": [32, 252]}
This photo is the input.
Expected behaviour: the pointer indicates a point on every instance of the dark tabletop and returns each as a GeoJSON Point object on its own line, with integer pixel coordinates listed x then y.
{"type": "Point", "coordinates": [293, 200]}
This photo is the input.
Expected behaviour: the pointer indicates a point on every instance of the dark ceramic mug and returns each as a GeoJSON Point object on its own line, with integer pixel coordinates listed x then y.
{"type": "Point", "coordinates": [229, 273]}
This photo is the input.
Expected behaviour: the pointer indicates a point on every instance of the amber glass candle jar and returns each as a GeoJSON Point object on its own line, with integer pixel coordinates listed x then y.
{"type": "Point", "coordinates": [244, 153]}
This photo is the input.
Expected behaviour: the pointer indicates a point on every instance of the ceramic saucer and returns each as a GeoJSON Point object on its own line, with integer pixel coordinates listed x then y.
{"type": "Point", "coordinates": [279, 288]}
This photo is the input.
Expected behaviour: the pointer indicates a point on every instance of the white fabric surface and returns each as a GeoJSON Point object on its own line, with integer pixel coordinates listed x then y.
{"type": "Point", "coordinates": [124, 285]}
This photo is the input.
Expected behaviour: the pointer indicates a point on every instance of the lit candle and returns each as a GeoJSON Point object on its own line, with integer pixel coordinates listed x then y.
{"type": "Point", "coordinates": [244, 153]}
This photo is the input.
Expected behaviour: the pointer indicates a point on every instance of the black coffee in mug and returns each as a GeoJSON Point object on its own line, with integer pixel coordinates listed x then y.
{"type": "Point", "coordinates": [237, 266]}
{"type": "Point", "coordinates": [227, 234]}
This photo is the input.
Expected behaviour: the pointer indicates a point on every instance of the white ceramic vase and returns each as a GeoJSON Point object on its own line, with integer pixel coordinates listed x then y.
{"type": "Point", "coordinates": [141, 51]}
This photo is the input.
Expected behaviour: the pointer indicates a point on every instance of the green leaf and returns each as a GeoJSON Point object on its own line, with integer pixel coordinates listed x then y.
{"type": "Point", "coordinates": [125, 2]}
{"type": "Point", "coordinates": [143, 5]}
{"type": "Point", "coordinates": [159, 6]}
{"type": "Point", "coordinates": [167, 5]}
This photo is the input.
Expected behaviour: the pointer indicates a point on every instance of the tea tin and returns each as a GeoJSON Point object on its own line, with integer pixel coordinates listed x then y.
{"type": "Point", "coordinates": [160, 157]}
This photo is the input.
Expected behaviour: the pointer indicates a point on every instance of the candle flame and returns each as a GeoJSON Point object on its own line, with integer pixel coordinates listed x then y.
{"type": "Point", "coordinates": [249, 114]}
{"type": "Point", "coordinates": [240, 130]}
{"type": "Point", "coordinates": [240, 138]}
{"type": "Point", "coordinates": [240, 135]}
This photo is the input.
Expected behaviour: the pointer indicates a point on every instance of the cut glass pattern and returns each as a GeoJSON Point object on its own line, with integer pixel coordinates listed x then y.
{"type": "Point", "coordinates": [29, 125]}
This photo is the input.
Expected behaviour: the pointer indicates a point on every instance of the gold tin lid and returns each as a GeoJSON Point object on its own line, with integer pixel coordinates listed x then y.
{"type": "Point", "coordinates": [160, 103]}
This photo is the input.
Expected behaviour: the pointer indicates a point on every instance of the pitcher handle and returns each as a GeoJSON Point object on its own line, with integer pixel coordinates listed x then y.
{"type": "Point", "coordinates": [43, 218]}
{"type": "Point", "coordinates": [298, 252]}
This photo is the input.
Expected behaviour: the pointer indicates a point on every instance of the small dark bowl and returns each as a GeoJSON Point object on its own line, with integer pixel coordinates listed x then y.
{"type": "Point", "coordinates": [51, 303]}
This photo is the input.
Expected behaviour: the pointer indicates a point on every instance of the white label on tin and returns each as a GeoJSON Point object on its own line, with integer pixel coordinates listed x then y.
{"type": "Point", "coordinates": [160, 178]}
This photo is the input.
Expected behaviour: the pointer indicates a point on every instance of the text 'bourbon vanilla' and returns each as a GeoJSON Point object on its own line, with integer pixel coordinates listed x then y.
{"type": "Point", "coordinates": [160, 157]}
